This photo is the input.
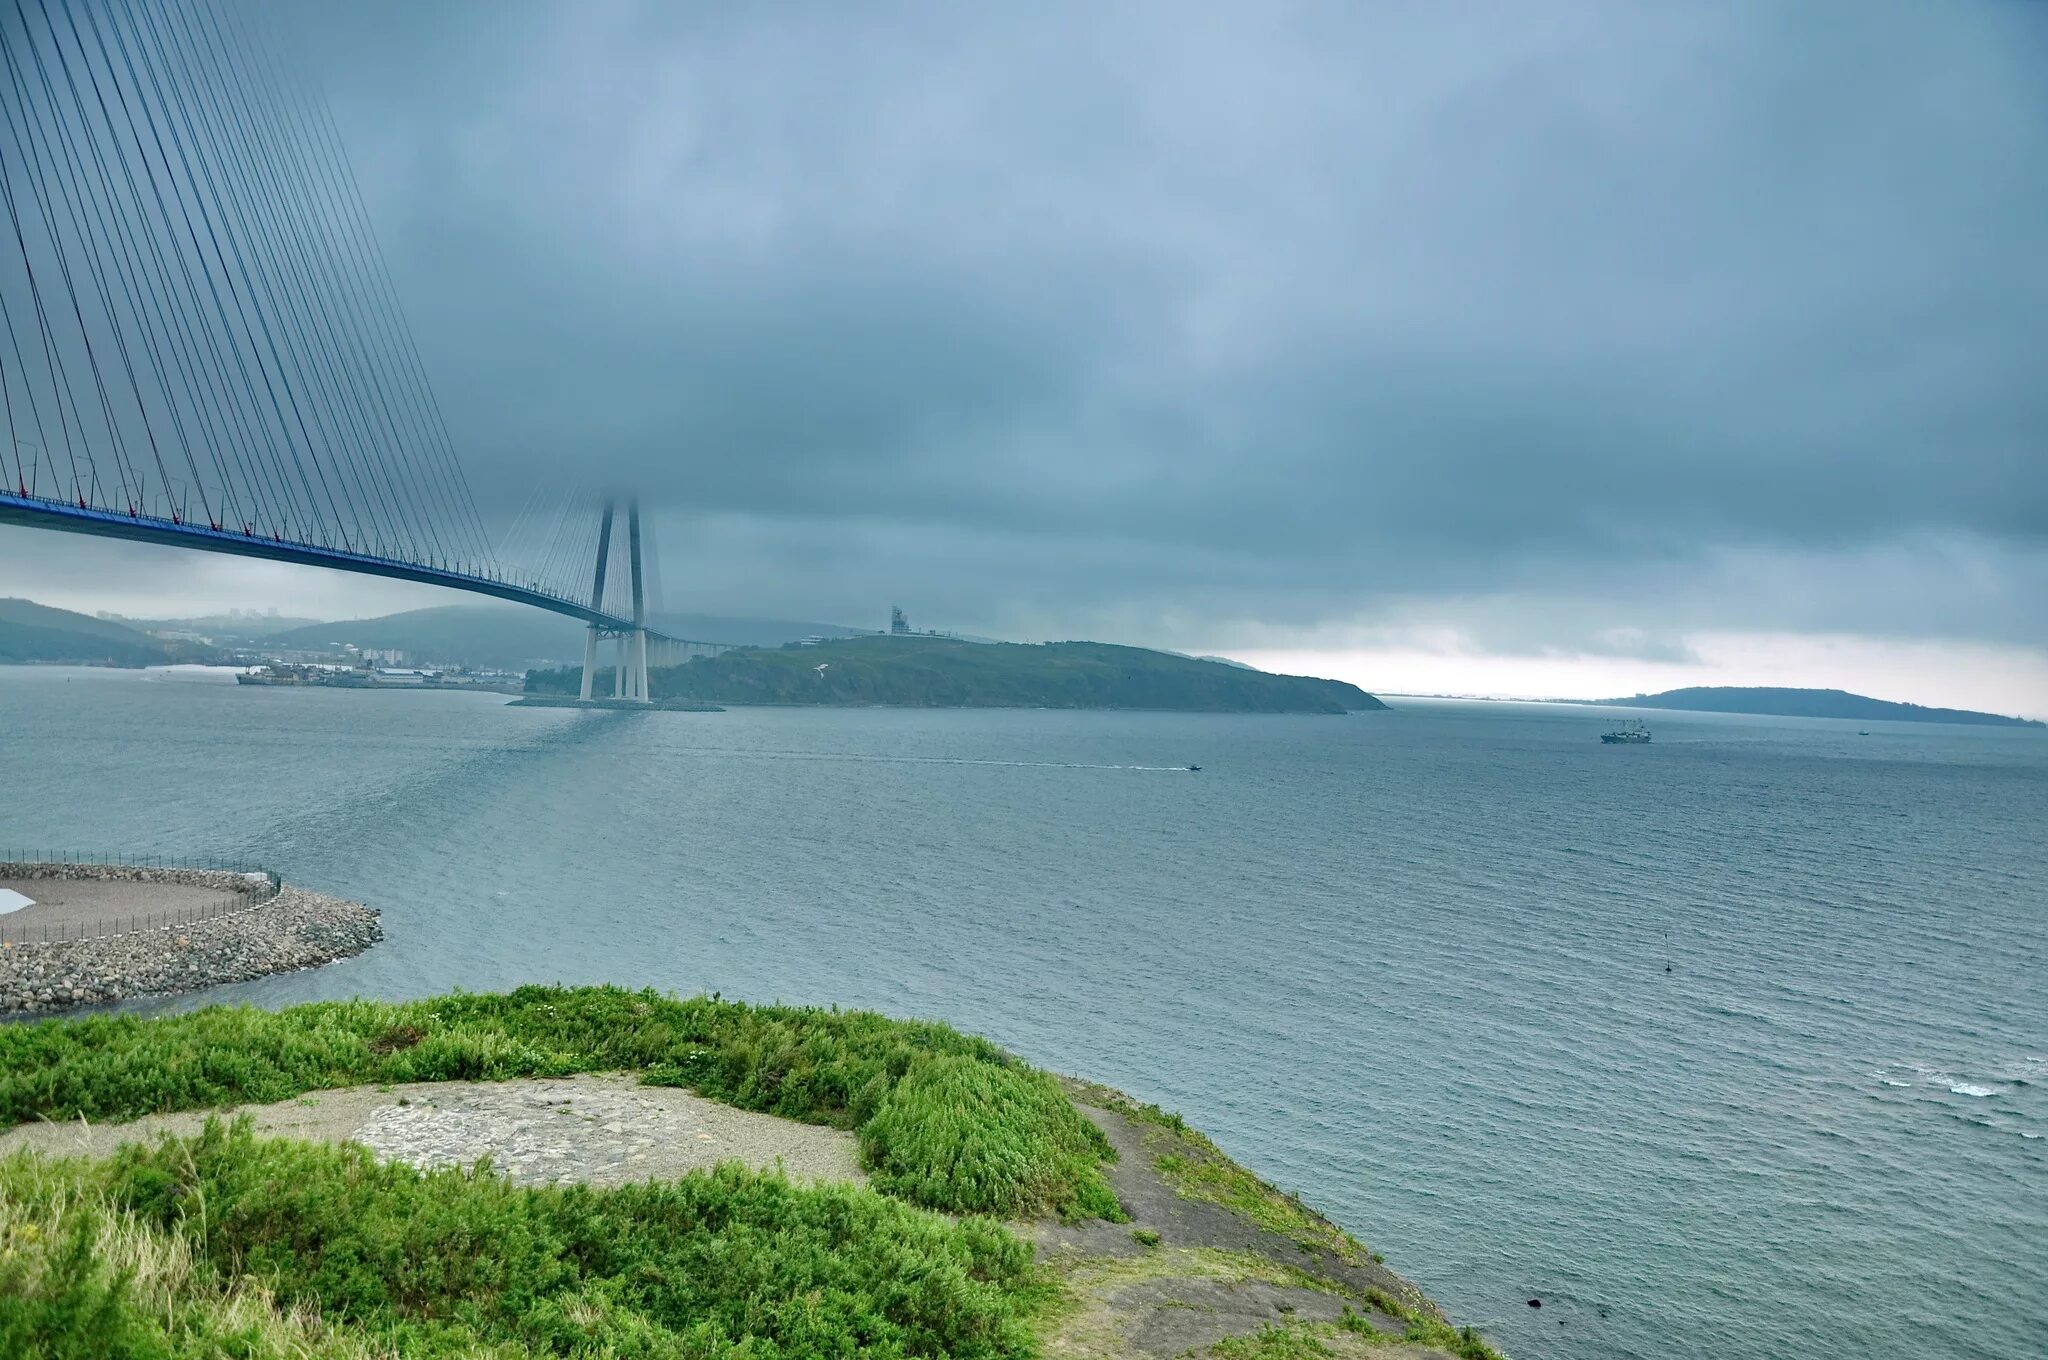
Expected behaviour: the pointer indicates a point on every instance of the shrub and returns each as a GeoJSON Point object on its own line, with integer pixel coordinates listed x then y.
{"type": "Point", "coordinates": [725, 1263]}
{"type": "Point", "coordinates": [822, 1066]}
{"type": "Point", "coordinates": [959, 1134]}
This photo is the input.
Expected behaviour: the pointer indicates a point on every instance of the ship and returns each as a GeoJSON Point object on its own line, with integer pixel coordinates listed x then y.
{"type": "Point", "coordinates": [282, 674]}
{"type": "Point", "coordinates": [276, 675]}
{"type": "Point", "coordinates": [1628, 734]}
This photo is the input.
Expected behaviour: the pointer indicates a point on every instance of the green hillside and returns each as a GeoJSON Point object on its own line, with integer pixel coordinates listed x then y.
{"type": "Point", "coordinates": [1808, 703]}
{"type": "Point", "coordinates": [925, 672]}
{"type": "Point", "coordinates": [31, 632]}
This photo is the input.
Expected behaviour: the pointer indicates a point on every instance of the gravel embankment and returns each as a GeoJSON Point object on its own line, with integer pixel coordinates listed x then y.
{"type": "Point", "coordinates": [294, 929]}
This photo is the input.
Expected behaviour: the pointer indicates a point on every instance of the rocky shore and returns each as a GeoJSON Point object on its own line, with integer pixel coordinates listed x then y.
{"type": "Point", "coordinates": [277, 932]}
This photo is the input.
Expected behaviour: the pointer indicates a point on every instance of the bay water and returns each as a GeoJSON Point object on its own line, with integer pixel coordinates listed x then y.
{"type": "Point", "coordinates": [1732, 1044]}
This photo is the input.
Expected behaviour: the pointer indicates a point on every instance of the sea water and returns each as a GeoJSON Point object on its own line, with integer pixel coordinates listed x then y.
{"type": "Point", "coordinates": [1735, 1044]}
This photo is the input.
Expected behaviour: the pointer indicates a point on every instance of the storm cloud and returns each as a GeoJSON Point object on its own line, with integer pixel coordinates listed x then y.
{"type": "Point", "coordinates": [1224, 324]}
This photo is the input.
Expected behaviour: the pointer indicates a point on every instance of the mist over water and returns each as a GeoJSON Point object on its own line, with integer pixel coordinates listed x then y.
{"type": "Point", "coordinates": [1736, 1044]}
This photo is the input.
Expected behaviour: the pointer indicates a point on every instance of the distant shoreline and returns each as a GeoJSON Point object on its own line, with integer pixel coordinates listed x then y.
{"type": "Point", "coordinates": [1871, 710]}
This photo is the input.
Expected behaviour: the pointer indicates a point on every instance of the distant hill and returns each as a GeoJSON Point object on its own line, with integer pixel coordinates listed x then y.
{"type": "Point", "coordinates": [930, 672]}
{"type": "Point", "coordinates": [39, 633]}
{"type": "Point", "coordinates": [513, 638]}
{"type": "Point", "coordinates": [225, 628]}
{"type": "Point", "coordinates": [1808, 703]}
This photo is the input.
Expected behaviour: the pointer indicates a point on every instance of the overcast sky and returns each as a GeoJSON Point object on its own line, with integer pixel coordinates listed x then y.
{"type": "Point", "coordinates": [1530, 348]}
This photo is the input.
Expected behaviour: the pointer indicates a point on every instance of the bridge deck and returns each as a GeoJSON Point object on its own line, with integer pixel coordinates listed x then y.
{"type": "Point", "coordinates": [41, 513]}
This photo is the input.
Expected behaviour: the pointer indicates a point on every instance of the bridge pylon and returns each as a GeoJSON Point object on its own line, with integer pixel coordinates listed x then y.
{"type": "Point", "coordinates": [630, 672]}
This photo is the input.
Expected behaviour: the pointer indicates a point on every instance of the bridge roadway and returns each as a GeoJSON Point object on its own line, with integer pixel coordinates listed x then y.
{"type": "Point", "coordinates": [42, 513]}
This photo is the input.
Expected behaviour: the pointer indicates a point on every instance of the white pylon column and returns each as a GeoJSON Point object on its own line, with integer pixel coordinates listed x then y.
{"type": "Point", "coordinates": [639, 647]}
{"type": "Point", "coordinates": [589, 660]}
{"type": "Point", "coordinates": [604, 558]}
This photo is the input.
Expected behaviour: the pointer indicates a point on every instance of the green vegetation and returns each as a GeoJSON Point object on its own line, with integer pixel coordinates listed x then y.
{"type": "Point", "coordinates": [1462, 1342]}
{"type": "Point", "coordinates": [35, 632]}
{"type": "Point", "coordinates": [227, 1246]}
{"type": "Point", "coordinates": [151, 1254]}
{"type": "Point", "coordinates": [1349, 1336]}
{"type": "Point", "coordinates": [962, 1134]}
{"type": "Point", "coordinates": [947, 1120]}
{"type": "Point", "coordinates": [1808, 703]}
{"type": "Point", "coordinates": [1290, 1341]}
{"type": "Point", "coordinates": [1197, 1169]}
{"type": "Point", "coordinates": [930, 672]}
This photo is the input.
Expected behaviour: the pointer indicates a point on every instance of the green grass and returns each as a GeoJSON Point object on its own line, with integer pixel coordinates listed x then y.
{"type": "Point", "coordinates": [959, 1134]}
{"type": "Point", "coordinates": [227, 1245]}
{"type": "Point", "coordinates": [946, 1120]}
{"type": "Point", "coordinates": [1197, 1169]}
{"type": "Point", "coordinates": [1273, 1342]}
{"type": "Point", "coordinates": [1462, 1342]}
{"type": "Point", "coordinates": [1345, 1337]}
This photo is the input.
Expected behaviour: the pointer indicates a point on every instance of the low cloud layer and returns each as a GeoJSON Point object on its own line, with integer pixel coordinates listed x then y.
{"type": "Point", "coordinates": [1566, 329]}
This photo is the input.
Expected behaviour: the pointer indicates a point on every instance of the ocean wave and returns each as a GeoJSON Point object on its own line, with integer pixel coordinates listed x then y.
{"type": "Point", "coordinates": [1966, 1088]}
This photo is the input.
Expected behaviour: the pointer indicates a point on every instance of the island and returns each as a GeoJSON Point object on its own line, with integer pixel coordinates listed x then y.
{"type": "Point", "coordinates": [1805, 703]}
{"type": "Point", "coordinates": [924, 671]}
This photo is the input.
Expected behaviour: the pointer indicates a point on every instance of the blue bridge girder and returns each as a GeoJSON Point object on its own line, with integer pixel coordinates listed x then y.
{"type": "Point", "coordinates": [42, 513]}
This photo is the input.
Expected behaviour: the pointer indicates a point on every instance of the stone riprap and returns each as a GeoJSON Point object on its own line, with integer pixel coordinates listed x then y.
{"type": "Point", "coordinates": [276, 932]}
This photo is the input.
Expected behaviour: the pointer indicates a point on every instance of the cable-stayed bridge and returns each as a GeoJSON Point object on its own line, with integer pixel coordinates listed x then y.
{"type": "Point", "coordinates": [200, 344]}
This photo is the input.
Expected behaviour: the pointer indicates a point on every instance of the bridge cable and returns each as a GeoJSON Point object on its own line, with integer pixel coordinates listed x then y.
{"type": "Point", "coordinates": [32, 129]}
{"type": "Point", "coordinates": [256, 286]}
{"type": "Point", "coordinates": [135, 279]}
{"type": "Point", "coordinates": [328, 140]}
{"type": "Point", "coordinates": [59, 389]}
{"type": "Point", "coordinates": [311, 365]}
{"type": "Point", "coordinates": [263, 478]}
{"type": "Point", "coordinates": [283, 191]}
{"type": "Point", "coordinates": [400, 483]}
{"type": "Point", "coordinates": [274, 284]}
{"type": "Point", "coordinates": [28, 139]}
{"type": "Point", "coordinates": [156, 288]}
{"type": "Point", "coordinates": [43, 330]}
{"type": "Point", "coordinates": [291, 505]}
{"type": "Point", "coordinates": [122, 252]}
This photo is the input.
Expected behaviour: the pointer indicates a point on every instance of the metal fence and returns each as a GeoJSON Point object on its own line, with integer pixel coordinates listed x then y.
{"type": "Point", "coordinates": [26, 866]}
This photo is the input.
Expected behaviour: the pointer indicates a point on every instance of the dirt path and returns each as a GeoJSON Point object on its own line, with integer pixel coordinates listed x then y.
{"type": "Point", "coordinates": [1213, 1255]}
